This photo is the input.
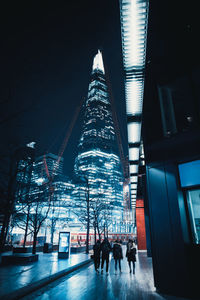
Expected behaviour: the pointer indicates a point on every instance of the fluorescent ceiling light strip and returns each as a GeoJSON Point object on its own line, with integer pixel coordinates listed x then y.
{"type": "Point", "coordinates": [133, 168]}
{"type": "Point", "coordinates": [134, 154]}
{"type": "Point", "coordinates": [135, 178]}
{"type": "Point", "coordinates": [133, 185]}
{"type": "Point", "coordinates": [134, 129]}
{"type": "Point", "coordinates": [132, 14]}
{"type": "Point", "coordinates": [134, 18]}
{"type": "Point", "coordinates": [134, 100]}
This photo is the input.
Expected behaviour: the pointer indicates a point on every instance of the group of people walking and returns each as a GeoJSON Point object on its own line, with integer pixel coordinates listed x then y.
{"type": "Point", "coordinates": [102, 252]}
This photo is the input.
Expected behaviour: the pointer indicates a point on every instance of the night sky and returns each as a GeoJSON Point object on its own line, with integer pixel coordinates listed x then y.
{"type": "Point", "coordinates": [46, 57]}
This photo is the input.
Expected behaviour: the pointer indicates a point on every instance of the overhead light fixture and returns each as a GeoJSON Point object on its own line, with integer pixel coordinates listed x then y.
{"type": "Point", "coordinates": [134, 185]}
{"type": "Point", "coordinates": [133, 168]}
{"type": "Point", "coordinates": [134, 133]}
{"type": "Point", "coordinates": [134, 178]}
{"type": "Point", "coordinates": [134, 18]}
{"type": "Point", "coordinates": [133, 153]}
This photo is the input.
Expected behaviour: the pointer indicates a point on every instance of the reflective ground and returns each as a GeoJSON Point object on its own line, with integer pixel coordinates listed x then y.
{"type": "Point", "coordinates": [86, 284]}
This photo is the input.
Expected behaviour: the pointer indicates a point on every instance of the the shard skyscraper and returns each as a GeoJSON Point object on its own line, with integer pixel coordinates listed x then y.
{"type": "Point", "coordinates": [98, 160]}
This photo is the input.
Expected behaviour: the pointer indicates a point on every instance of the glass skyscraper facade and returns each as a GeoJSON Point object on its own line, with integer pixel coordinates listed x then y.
{"type": "Point", "coordinates": [97, 168]}
{"type": "Point", "coordinates": [98, 160]}
{"type": "Point", "coordinates": [33, 185]}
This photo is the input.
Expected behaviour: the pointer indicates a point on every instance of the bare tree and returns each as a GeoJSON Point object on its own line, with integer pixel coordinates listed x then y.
{"type": "Point", "coordinates": [23, 190]}
{"type": "Point", "coordinates": [39, 212]}
{"type": "Point", "coordinates": [97, 207]}
{"type": "Point", "coordinates": [54, 217]}
{"type": "Point", "coordinates": [81, 207]}
{"type": "Point", "coordinates": [21, 216]}
{"type": "Point", "coordinates": [93, 212]}
{"type": "Point", "coordinates": [102, 216]}
{"type": "Point", "coordinates": [7, 195]}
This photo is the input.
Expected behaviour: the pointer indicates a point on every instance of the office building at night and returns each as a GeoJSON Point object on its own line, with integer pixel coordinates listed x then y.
{"type": "Point", "coordinates": [36, 180]}
{"type": "Point", "coordinates": [97, 160]}
{"type": "Point", "coordinates": [23, 161]}
{"type": "Point", "coordinates": [45, 166]}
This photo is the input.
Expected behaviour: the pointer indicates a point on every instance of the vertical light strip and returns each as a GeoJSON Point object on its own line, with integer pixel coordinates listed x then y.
{"type": "Point", "coordinates": [134, 19]}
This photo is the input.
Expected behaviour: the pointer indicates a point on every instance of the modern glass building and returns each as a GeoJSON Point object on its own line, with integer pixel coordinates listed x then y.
{"type": "Point", "coordinates": [46, 166]}
{"type": "Point", "coordinates": [98, 160]}
{"type": "Point", "coordinates": [33, 187]}
{"type": "Point", "coordinates": [24, 159]}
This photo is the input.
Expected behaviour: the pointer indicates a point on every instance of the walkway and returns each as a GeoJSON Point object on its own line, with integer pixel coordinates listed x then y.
{"type": "Point", "coordinates": [48, 267]}
{"type": "Point", "coordinates": [87, 285]}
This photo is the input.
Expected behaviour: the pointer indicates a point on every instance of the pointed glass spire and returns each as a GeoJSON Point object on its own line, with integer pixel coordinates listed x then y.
{"type": "Point", "coordinates": [97, 157]}
{"type": "Point", "coordinates": [98, 62]}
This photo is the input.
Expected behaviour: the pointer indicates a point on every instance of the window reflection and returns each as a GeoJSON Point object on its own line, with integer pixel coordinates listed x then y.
{"type": "Point", "coordinates": [193, 200]}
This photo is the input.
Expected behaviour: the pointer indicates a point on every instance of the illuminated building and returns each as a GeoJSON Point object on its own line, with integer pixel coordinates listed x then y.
{"type": "Point", "coordinates": [62, 186]}
{"type": "Point", "coordinates": [54, 168]}
{"type": "Point", "coordinates": [34, 182]}
{"type": "Point", "coordinates": [24, 159]}
{"type": "Point", "coordinates": [97, 159]}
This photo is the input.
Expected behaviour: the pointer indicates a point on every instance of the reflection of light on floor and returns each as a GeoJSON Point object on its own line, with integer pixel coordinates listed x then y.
{"type": "Point", "coordinates": [75, 259]}
{"type": "Point", "coordinates": [54, 266]}
{"type": "Point", "coordinates": [25, 278]}
{"type": "Point", "coordinates": [78, 285]}
{"type": "Point", "coordinates": [85, 284]}
{"type": "Point", "coordinates": [55, 256]}
{"type": "Point", "coordinates": [144, 273]}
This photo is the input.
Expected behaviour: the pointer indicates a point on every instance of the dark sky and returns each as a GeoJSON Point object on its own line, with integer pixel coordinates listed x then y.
{"type": "Point", "coordinates": [45, 60]}
{"type": "Point", "coordinates": [46, 55]}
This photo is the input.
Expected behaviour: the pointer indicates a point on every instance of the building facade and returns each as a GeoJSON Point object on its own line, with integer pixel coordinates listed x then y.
{"type": "Point", "coordinates": [97, 160]}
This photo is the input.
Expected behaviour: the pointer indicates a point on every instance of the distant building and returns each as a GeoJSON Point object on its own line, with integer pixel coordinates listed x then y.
{"type": "Point", "coordinates": [24, 160]}
{"type": "Point", "coordinates": [38, 178]}
{"type": "Point", "coordinates": [45, 166]}
{"type": "Point", "coordinates": [98, 160]}
{"type": "Point", "coordinates": [48, 172]}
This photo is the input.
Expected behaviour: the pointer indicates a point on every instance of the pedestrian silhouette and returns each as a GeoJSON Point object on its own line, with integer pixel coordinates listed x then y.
{"type": "Point", "coordinates": [105, 249]}
{"type": "Point", "coordinates": [130, 254]}
{"type": "Point", "coordinates": [96, 249]}
{"type": "Point", "coordinates": [117, 254]}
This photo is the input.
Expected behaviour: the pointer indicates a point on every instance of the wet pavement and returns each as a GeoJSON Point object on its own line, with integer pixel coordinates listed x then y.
{"type": "Point", "coordinates": [15, 277]}
{"type": "Point", "coordinates": [86, 284]}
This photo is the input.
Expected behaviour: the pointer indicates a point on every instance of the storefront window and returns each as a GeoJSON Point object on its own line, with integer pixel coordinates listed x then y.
{"type": "Point", "coordinates": [193, 200]}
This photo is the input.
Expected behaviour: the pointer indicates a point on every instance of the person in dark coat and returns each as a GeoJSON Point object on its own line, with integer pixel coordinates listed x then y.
{"type": "Point", "coordinates": [130, 254]}
{"type": "Point", "coordinates": [105, 250]}
{"type": "Point", "coordinates": [97, 251]}
{"type": "Point", "coordinates": [117, 254]}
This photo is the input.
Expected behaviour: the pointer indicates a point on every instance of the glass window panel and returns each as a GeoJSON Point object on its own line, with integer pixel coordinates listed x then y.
{"type": "Point", "coordinates": [193, 200]}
